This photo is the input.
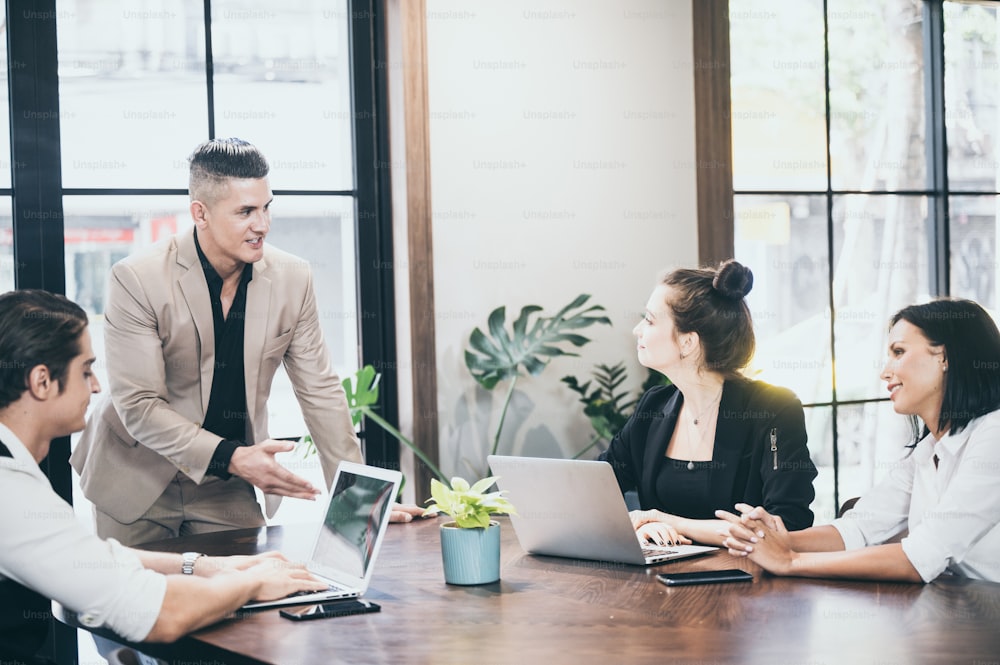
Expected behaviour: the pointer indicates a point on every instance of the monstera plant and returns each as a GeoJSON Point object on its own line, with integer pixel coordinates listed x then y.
{"type": "Point", "coordinates": [532, 341]}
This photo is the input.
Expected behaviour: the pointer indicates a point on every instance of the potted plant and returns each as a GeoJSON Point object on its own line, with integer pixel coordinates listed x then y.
{"type": "Point", "coordinates": [470, 543]}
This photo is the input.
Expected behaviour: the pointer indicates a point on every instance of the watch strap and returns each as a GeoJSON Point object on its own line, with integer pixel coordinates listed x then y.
{"type": "Point", "coordinates": [187, 562]}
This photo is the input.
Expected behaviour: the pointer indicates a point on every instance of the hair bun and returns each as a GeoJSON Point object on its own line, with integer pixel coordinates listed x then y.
{"type": "Point", "coordinates": [733, 280]}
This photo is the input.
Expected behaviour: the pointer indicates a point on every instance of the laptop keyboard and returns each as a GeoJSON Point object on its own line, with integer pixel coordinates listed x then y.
{"type": "Point", "coordinates": [653, 550]}
{"type": "Point", "coordinates": [330, 589]}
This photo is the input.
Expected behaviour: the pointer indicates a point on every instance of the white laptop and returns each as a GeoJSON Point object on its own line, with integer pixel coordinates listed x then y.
{"type": "Point", "coordinates": [574, 508]}
{"type": "Point", "coordinates": [348, 541]}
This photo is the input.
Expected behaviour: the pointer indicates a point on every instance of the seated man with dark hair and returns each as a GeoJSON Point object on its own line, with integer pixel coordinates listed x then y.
{"type": "Point", "coordinates": [45, 388]}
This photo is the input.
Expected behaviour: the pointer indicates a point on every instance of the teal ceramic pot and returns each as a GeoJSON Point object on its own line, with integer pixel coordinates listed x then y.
{"type": "Point", "coordinates": [470, 556]}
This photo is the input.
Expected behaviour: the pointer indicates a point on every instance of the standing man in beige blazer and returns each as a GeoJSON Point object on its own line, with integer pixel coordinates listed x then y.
{"type": "Point", "coordinates": [195, 328]}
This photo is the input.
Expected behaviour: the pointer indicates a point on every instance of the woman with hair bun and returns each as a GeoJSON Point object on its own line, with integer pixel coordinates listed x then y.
{"type": "Point", "coordinates": [712, 438]}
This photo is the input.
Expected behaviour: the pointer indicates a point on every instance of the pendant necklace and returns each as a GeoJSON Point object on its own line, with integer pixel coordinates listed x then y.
{"type": "Point", "coordinates": [696, 420]}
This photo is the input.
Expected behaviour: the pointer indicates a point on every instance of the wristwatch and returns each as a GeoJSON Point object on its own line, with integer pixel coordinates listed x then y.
{"type": "Point", "coordinates": [187, 562]}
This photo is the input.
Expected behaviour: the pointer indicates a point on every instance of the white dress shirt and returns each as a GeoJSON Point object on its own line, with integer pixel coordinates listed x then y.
{"type": "Point", "coordinates": [952, 508]}
{"type": "Point", "coordinates": [46, 549]}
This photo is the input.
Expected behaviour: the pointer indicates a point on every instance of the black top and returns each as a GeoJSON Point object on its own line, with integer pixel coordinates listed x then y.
{"type": "Point", "coordinates": [227, 404]}
{"type": "Point", "coordinates": [687, 491]}
{"type": "Point", "coordinates": [744, 468]}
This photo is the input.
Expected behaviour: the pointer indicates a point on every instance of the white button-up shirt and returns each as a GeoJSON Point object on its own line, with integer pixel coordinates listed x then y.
{"type": "Point", "coordinates": [952, 509]}
{"type": "Point", "coordinates": [45, 548]}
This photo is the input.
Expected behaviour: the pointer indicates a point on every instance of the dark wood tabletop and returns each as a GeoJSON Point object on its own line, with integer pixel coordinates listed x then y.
{"type": "Point", "coordinates": [554, 610]}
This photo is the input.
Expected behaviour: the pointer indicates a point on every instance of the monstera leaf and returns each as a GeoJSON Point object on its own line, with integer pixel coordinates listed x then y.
{"type": "Point", "coordinates": [531, 343]}
{"type": "Point", "coordinates": [366, 395]}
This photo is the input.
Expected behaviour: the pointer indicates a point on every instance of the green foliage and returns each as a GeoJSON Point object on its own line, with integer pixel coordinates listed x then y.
{"type": "Point", "coordinates": [607, 407]}
{"type": "Point", "coordinates": [530, 344]}
{"type": "Point", "coordinates": [366, 394]}
{"type": "Point", "coordinates": [362, 400]}
{"type": "Point", "coordinates": [470, 507]}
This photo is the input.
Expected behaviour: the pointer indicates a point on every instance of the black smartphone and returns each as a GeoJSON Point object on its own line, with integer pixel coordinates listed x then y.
{"type": "Point", "coordinates": [337, 608]}
{"type": "Point", "coordinates": [705, 577]}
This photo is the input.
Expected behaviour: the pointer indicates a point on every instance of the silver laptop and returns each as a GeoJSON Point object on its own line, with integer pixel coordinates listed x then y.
{"type": "Point", "coordinates": [574, 508]}
{"type": "Point", "coordinates": [348, 541]}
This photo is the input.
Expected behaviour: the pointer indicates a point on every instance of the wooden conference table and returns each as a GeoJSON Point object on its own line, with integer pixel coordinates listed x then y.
{"type": "Point", "coordinates": [553, 610]}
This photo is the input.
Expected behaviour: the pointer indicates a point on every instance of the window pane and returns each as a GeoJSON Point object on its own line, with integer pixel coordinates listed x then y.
{"type": "Point", "coordinates": [973, 231]}
{"type": "Point", "coordinates": [880, 259]}
{"type": "Point", "coordinates": [320, 229]}
{"type": "Point", "coordinates": [871, 441]}
{"type": "Point", "coordinates": [972, 80]}
{"type": "Point", "coordinates": [100, 230]}
{"type": "Point", "coordinates": [6, 245]}
{"type": "Point", "coordinates": [132, 93]}
{"type": "Point", "coordinates": [282, 81]}
{"type": "Point", "coordinates": [4, 122]}
{"type": "Point", "coordinates": [779, 130]}
{"type": "Point", "coordinates": [819, 427]}
{"type": "Point", "coordinates": [783, 240]}
{"type": "Point", "coordinates": [876, 95]}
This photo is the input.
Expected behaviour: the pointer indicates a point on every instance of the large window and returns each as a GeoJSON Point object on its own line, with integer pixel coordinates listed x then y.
{"type": "Point", "coordinates": [865, 176]}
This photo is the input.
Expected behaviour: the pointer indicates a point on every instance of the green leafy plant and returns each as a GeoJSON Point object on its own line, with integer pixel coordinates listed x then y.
{"type": "Point", "coordinates": [362, 400]}
{"type": "Point", "coordinates": [607, 407]}
{"type": "Point", "coordinates": [470, 507]}
{"type": "Point", "coordinates": [530, 344]}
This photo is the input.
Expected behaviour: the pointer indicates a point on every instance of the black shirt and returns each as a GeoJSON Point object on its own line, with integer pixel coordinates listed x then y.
{"type": "Point", "coordinates": [227, 404]}
{"type": "Point", "coordinates": [686, 491]}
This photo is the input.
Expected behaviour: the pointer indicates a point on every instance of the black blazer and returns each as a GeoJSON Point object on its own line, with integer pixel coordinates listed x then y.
{"type": "Point", "coordinates": [744, 466]}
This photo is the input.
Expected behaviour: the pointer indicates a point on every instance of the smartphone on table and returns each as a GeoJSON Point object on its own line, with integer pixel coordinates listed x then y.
{"type": "Point", "coordinates": [705, 577]}
{"type": "Point", "coordinates": [337, 608]}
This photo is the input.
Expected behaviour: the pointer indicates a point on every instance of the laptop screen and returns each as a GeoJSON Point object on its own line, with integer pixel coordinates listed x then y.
{"type": "Point", "coordinates": [358, 504]}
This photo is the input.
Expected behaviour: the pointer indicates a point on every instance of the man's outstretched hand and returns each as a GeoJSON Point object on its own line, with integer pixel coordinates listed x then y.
{"type": "Point", "coordinates": [256, 465]}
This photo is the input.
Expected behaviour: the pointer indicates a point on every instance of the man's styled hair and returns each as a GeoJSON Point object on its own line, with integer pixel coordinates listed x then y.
{"type": "Point", "coordinates": [36, 328]}
{"type": "Point", "coordinates": [218, 160]}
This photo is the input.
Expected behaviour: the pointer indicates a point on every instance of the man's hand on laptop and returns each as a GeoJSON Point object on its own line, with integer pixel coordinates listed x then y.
{"type": "Point", "coordinates": [405, 512]}
{"type": "Point", "coordinates": [207, 566]}
{"type": "Point", "coordinates": [279, 578]}
{"type": "Point", "coordinates": [656, 527]}
{"type": "Point", "coordinates": [256, 465]}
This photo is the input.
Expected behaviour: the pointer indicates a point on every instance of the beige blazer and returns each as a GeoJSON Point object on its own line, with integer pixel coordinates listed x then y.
{"type": "Point", "coordinates": [160, 351]}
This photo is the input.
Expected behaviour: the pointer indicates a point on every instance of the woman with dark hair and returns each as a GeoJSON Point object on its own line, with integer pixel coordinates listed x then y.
{"type": "Point", "coordinates": [713, 437]}
{"type": "Point", "coordinates": [943, 368]}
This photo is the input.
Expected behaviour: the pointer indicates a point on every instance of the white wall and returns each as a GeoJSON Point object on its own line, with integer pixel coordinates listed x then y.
{"type": "Point", "coordinates": [562, 152]}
